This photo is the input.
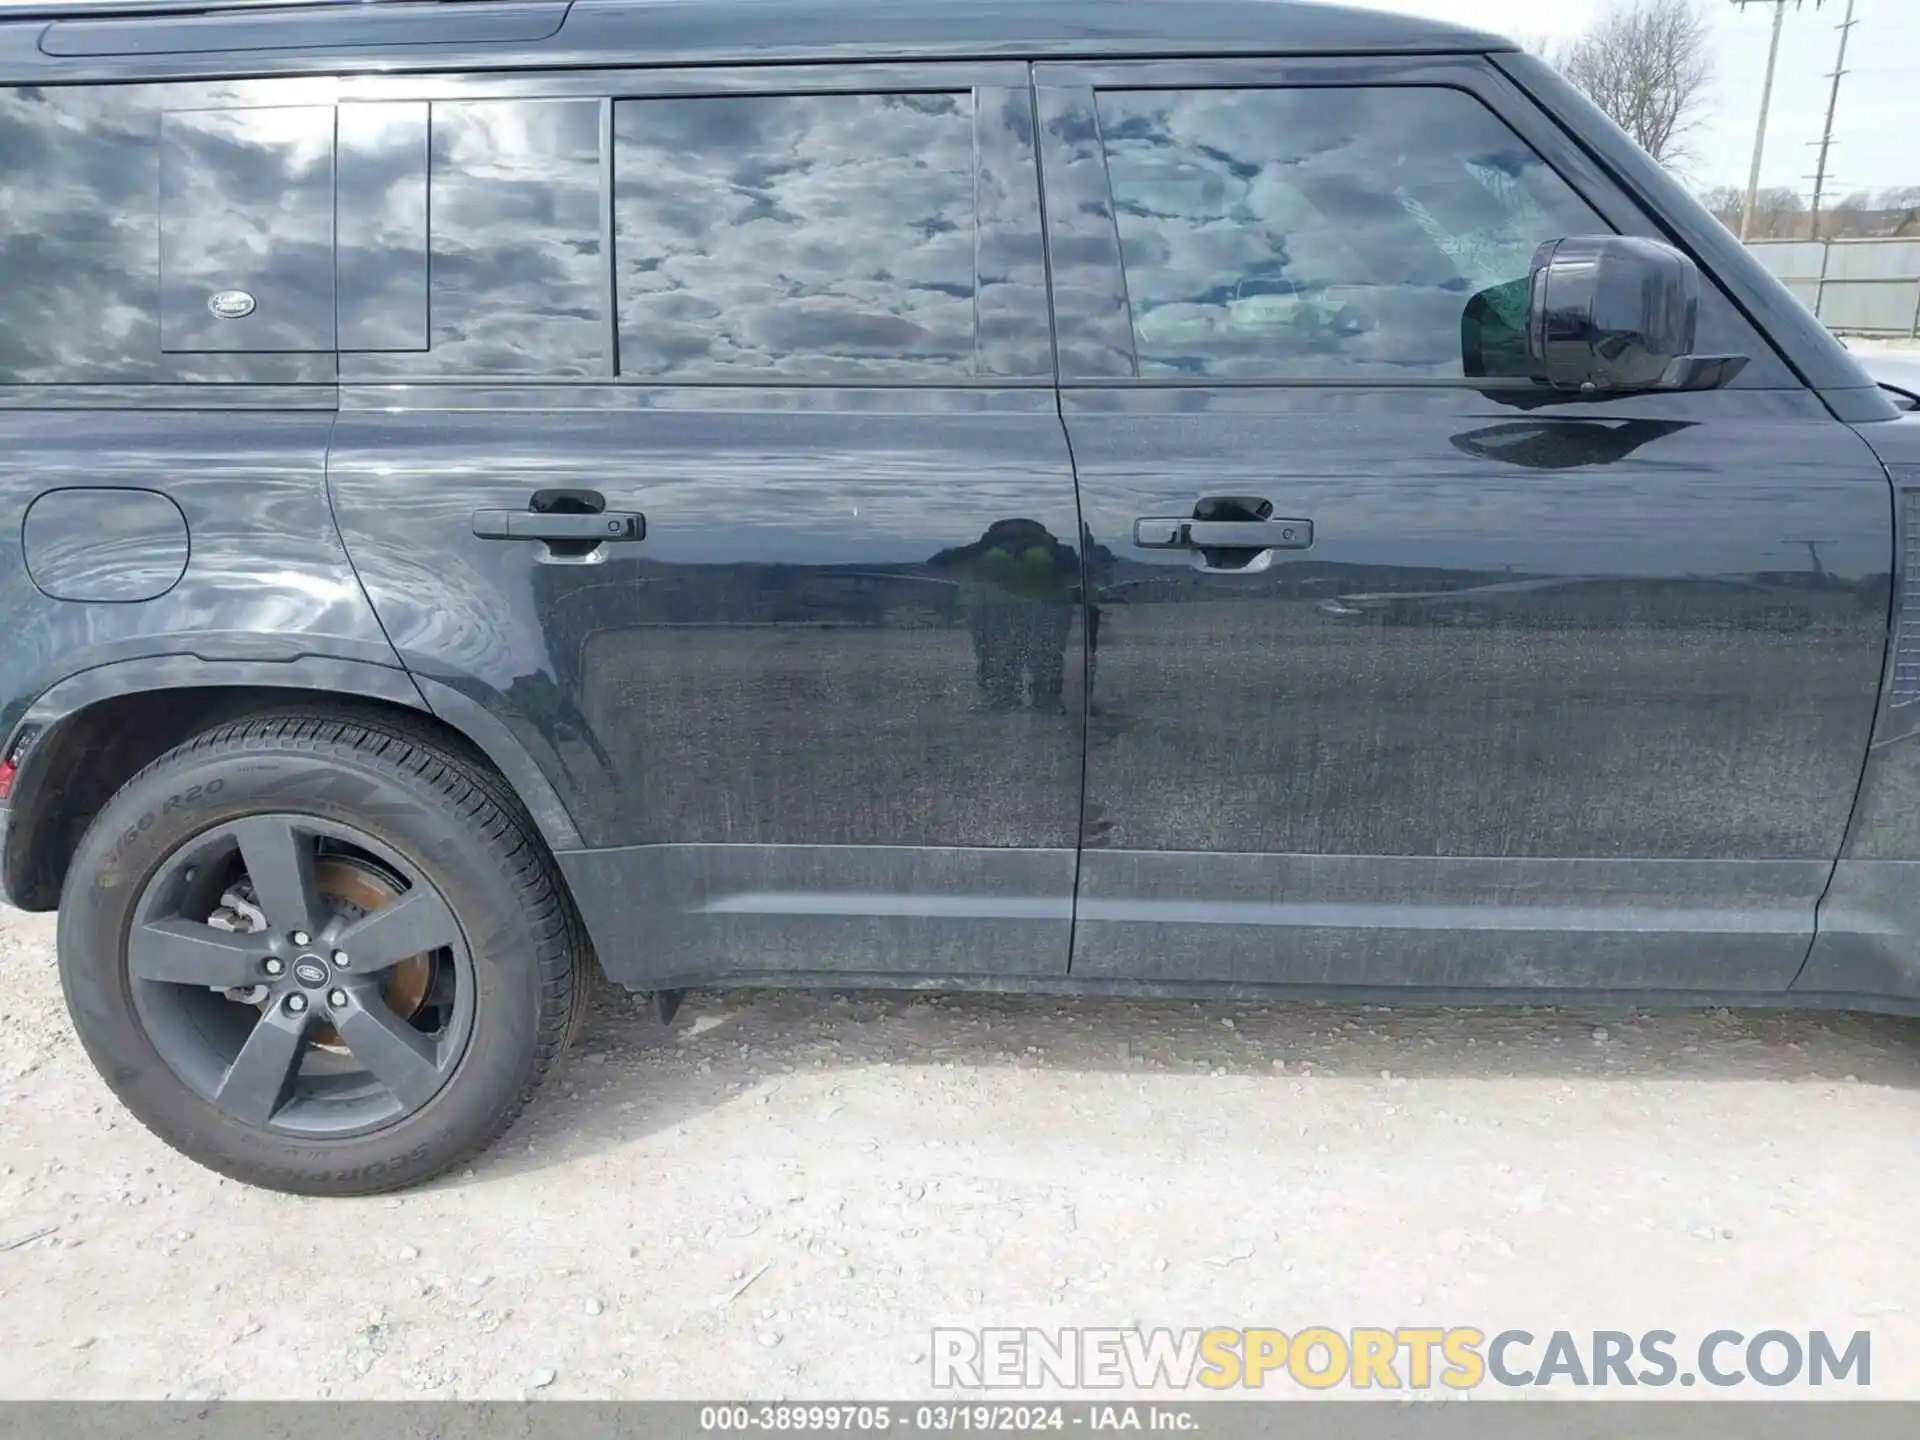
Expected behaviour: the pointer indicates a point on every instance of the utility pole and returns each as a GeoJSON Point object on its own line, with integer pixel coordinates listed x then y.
{"type": "Point", "coordinates": [1766, 104]}
{"type": "Point", "coordinates": [1833, 106]}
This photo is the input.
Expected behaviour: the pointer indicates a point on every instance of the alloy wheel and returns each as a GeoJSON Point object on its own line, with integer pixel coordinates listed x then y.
{"type": "Point", "coordinates": [301, 976]}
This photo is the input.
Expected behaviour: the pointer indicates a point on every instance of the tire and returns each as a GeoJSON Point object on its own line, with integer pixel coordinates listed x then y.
{"type": "Point", "coordinates": [370, 802]}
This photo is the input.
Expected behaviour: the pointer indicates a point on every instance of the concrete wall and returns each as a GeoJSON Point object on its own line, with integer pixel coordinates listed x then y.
{"type": "Point", "coordinates": [1859, 287]}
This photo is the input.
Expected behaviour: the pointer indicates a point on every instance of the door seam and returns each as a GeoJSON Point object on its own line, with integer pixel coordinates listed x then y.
{"type": "Point", "coordinates": [1079, 515]}
{"type": "Point", "coordinates": [1896, 583]}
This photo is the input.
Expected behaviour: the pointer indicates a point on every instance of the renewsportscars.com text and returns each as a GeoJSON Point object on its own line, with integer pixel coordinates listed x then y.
{"type": "Point", "coordinates": [1401, 1358]}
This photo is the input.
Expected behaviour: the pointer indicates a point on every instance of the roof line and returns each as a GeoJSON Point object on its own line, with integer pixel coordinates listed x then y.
{"type": "Point", "coordinates": [109, 9]}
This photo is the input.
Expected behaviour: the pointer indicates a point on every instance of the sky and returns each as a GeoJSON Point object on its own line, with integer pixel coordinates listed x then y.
{"type": "Point", "coordinates": [1877, 131]}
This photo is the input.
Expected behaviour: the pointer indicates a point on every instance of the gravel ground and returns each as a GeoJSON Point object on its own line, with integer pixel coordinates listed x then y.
{"type": "Point", "coordinates": [782, 1193]}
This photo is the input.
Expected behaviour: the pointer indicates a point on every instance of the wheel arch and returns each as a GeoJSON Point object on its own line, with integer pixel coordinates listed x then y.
{"type": "Point", "coordinates": [86, 736]}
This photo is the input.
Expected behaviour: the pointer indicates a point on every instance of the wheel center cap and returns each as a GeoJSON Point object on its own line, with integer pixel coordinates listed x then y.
{"type": "Point", "coordinates": [311, 971]}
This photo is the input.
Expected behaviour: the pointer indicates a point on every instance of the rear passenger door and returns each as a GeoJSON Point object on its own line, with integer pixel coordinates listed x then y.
{"type": "Point", "coordinates": [1475, 684]}
{"type": "Point", "coordinates": [708, 439]}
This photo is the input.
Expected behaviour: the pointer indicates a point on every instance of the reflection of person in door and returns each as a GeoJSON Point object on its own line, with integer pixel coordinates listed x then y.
{"type": "Point", "coordinates": [1100, 563]}
{"type": "Point", "coordinates": [1017, 584]}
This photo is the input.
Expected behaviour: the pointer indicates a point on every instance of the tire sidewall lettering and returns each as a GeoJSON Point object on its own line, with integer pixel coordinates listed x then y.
{"type": "Point", "coordinates": [182, 800]}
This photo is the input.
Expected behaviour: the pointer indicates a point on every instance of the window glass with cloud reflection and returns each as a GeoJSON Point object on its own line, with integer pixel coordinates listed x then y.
{"type": "Point", "coordinates": [1368, 233]}
{"type": "Point", "coordinates": [517, 277]}
{"type": "Point", "coordinates": [802, 237]}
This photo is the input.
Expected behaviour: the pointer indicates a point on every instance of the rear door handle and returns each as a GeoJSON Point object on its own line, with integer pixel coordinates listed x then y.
{"type": "Point", "coordinates": [599, 527]}
{"type": "Point", "coordinates": [1189, 534]}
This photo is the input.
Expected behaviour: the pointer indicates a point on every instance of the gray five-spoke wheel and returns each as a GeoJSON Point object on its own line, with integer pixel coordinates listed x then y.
{"type": "Point", "coordinates": [301, 975]}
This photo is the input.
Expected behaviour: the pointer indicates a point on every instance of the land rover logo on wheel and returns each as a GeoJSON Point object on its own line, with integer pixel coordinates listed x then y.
{"type": "Point", "coordinates": [309, 971]}
{"type": "Point", "coordinates": [231, 304]}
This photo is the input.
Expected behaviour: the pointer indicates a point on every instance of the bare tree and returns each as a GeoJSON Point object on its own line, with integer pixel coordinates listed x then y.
{"type": "Point", "coordinates": [1779, 213]}
{"type": "Point", "coordinates": [1725, 202]}
{"type": "Point", "coordinates": [1851, 217]}
{"type": "Point", "coordinates": [1648, 64]}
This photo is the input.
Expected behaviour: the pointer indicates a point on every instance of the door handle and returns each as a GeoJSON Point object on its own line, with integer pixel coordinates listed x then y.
{"type": "Point", "coordinates": [1189, 534]}
{"type": "Point", "coordinates": [599, 527]}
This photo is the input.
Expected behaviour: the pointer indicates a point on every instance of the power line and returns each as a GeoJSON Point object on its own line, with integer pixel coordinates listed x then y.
{"type": "Point", "coordinates": [1766, 103]}
{"type": "Point", "coordinates": [1833, 106]}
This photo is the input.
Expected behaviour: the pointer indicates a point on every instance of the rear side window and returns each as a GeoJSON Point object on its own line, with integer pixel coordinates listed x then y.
{"type": "Point", "coordinates": [517, 265]}
{"type": "Point", "coordinates": [472, 240]}
{"type": "Point", "coordinates": [892, 238]}
{"type": "Point", "coordinates": [79, 242]}
{"type": "Point", "coordinates": [750, 239]}
{"type": "Point", "coordinates": [1327, 233]}
{"type": "Point", "coordinates": [246, 209]}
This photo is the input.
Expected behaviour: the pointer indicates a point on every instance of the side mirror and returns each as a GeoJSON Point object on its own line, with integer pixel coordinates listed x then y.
{"type": "Point", "coordinates": [1618, 314]}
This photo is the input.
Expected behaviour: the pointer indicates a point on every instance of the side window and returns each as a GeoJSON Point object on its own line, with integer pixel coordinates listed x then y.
{"type": "Point", "coordinates": [380, 225]}
{"type": "Point", "coordinates": [126, 210]}
{"type": "Point", "coordinates": [829, 238]}
{"type": "Point", "coordinates": [1354, 233]}
{"type": "Point", "coordinates": [795, 239]}
{"type": "Point", "coordinates": [516, 277]}
{"type": "Point", "coordinates": [246, 213]}
{"type": "Point", "coordinates": [505, 195]}
{"type": "Point", "coordinates": [79, 241]}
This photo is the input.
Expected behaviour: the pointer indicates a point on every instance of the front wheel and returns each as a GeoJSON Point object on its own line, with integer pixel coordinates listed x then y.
{"type": "Point", "coordinates": [320, 955]}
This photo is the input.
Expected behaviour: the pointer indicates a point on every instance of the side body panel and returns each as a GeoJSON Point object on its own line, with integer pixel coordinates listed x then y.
{"type": "Point", "coordinates": [1869, 935]}
{"type": "Point", "coordinates": [163, 466]}
{"type": "Point", "coordinates": [759, 736]}
{"type": "Point", "coordinates": [267, 579]}
{"type": "Point", "coordinates": [763, 721]}
{"type": "Point", "coordinates": [1598, 723]}
{"type": "Point", "coordinates": [1563, 694]}
{"type": "Point", "coordinates": [770, 717]}
{"type": "Point", "coordinates": [240, 559]}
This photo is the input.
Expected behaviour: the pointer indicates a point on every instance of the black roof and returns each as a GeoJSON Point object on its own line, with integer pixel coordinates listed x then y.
{"type": "Point", "coordinates": [706, 32]}
{"type": "Point", "coordinates": [1049, 27]}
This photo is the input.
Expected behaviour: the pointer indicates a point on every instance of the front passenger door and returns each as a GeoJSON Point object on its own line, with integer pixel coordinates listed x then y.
{"type": "Point", "coordinates": [1407, 672]}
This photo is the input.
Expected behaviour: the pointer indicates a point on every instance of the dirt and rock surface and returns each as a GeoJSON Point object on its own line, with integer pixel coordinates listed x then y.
{"type": "Point", "coordinates": [781, 1194]}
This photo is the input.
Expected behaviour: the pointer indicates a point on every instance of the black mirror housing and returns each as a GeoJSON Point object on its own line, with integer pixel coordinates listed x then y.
{"type": "Point", "coordinates": [1617, 314]}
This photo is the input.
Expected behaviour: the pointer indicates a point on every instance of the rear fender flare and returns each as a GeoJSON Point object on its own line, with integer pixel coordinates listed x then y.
{"type": "Point", "coordinates": [326, 678]}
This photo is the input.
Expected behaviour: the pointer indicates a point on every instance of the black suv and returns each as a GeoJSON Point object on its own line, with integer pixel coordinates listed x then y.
{"type": "Point", "coordinates": [1200, 497]}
